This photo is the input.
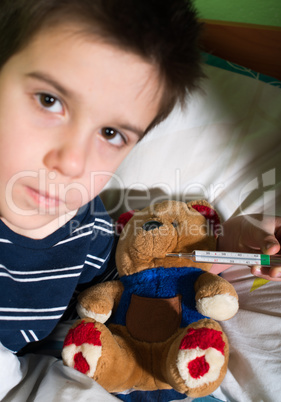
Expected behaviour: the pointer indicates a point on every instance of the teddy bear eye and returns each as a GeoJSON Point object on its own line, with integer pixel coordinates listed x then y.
{"type": "Point", "coordinates": [175, 224]}
{"type": "Point", "coordinates": [150, 225]}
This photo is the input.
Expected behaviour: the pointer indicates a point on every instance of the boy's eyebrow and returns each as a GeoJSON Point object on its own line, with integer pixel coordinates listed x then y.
{"type": "Point", "coordinates": [48, 79]}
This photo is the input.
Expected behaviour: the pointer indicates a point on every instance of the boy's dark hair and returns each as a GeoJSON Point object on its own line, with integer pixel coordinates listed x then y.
{"type": "Point", "coordinates": [164, 32]}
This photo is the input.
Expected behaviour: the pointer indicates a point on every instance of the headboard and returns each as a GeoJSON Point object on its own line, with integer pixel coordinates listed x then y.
{"type": "Point", "coordinates": [257, 47]}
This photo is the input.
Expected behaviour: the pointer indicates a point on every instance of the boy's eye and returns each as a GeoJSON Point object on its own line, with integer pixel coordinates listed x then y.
{"type": "Point", "coordinates": [113, 136]}
{"type": "Point", "coordinates": [50, 102]}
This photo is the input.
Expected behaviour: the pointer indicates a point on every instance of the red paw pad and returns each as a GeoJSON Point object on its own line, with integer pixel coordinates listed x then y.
{"type": "Point", "coordinates": [80, 363]}
{"type": "Point", "coordinates": [85, 332]}
{"type": "Point", "coordinates": [198, 367]}
{"type": "Point", "coordinates": [203, 338]}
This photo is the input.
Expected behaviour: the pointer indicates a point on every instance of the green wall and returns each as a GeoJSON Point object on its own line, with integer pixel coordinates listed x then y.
{"type": "Point", "coordinates": [263, 12]}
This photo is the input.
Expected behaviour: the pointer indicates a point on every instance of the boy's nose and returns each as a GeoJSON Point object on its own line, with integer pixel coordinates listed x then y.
{"type": "Point", "coordinates": [69, 160]}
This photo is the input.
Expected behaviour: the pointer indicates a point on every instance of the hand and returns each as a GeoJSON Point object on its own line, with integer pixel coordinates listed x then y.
{"type": "Point", "coordinates": [252, 234]}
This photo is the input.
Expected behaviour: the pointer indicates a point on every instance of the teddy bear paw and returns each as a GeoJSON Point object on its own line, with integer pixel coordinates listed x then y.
{"type": "Point", "coordinates": [219, 307]}
{"type": "Point", "coordinates": [82, 348]}
{"type": "Point", "coordinates": [201, 357]}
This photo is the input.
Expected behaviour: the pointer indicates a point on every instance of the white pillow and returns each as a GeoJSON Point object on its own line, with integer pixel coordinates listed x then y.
{"type": "Point", "coordinates": [224, 147]}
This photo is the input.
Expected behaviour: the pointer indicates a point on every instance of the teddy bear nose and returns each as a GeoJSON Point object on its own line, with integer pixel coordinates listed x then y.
{"type": "Point", "coordinates": [150, 225]}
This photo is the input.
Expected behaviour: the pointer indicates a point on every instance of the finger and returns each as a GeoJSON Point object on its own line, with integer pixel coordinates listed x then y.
{"type": "Point", "coordinates": [275, 273]}
{"type": "Point", "coordinates": [272, 241]}
{"type": "Point", "coordinates": [270, 245]}
{"type": "Point", "coordinates": [271, 274]}
{"type": "Point", "coordinates": [261, 232]}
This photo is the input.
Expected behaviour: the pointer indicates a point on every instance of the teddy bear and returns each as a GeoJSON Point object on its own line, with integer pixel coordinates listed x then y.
{"type": "Point", "coordinates": [162, 331]}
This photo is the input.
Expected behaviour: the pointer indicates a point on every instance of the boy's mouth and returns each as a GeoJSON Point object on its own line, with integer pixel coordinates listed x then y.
{"type": "Point", "coordinates": [44, 200]}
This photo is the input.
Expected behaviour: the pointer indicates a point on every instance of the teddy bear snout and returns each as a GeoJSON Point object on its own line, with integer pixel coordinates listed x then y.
{"type": "Point", "coordinates": [151, 225]}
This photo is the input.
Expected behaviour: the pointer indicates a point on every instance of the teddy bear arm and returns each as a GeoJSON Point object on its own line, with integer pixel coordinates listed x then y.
{"type": "Point", "coordinates": [98, 301]}
{"type": "Point", "coordinates": [215, 297]}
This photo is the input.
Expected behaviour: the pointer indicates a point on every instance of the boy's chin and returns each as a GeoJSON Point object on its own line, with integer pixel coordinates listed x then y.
{"type": "Point", "coordinates": [38, 226]}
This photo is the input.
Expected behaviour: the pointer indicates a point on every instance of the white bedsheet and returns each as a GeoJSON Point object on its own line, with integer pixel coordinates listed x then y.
{"type": "Point", "coordinates": [45, 379]}
{"type": "Point", "coordinates": [254, 334]}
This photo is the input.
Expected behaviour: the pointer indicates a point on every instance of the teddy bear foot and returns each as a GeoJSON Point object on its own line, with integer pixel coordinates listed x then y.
{"type": "Point", "coordinates": [91, 348]}
{"type": "Point", "coordinates": [201, 360]}
{"type": "Point", "coordinates": [82, 348]}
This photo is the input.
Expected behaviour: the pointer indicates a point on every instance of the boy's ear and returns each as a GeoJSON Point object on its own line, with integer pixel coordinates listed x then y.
{"type": "Point", "coordinates": [209, 213]}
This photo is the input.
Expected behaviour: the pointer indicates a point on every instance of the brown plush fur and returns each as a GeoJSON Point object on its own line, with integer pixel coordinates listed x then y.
{"type": "Point", "coordinates": [126, 361]}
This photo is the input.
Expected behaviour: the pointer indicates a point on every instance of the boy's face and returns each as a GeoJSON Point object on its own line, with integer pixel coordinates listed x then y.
{"type": "Point", "coordinates": [71, 109]}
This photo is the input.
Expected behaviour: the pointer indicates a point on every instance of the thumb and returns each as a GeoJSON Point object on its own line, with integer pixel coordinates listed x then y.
{"type": "Point", "coordinates": [270, 245]}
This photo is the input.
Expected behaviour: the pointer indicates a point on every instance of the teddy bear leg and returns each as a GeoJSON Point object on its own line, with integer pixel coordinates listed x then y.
{"type": "Point", "coordinates": [198, 358]}
{"type": "Point", "coordinates": [92, 349]}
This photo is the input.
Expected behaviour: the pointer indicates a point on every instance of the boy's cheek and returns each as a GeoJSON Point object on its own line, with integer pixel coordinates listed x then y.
{"type": "Point", "coordinates": [77, 194]}
{"type": "Point", "coordinates": [74, 196]}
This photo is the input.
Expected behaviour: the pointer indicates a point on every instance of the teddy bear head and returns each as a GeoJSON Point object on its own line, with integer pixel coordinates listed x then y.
{"type": "Point", "coordinates": [164, 228]}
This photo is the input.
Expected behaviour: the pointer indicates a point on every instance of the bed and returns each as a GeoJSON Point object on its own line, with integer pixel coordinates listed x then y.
{"type": "Point", "coordinates": [224, 147]}
{"type": "Point", "coordinates": [253, 46]}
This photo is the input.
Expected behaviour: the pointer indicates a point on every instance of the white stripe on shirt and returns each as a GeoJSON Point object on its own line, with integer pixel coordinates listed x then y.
{"type": "Point", "coordinates": [80, 229]}
{"type": "Point", "coordinates": [104, 221]}
{"type": "Point", "coordinates": [31, 318]}
{"type": "Point", "coordinates": [46, 271]}
{"type": "Point", "coordinates": [92, 225]}
{"type": "Point", "coordinates": [25, 336]}
{"type": "Point", "coordinates": [104, 229]}
{"type": "Point", "coordinates": [95, 258]}
{"type": "Point", "coordinates": [89, 232]}
{"type": "Point", "coordinates": [92, 264]}
{"type": "Point", "coordinates": [44, 278]}
{"type": "Point", "coordinates": [73, 238]}
{"type": "Point", "coordinates": [5, 241]}
{"type": "Point", "coordinates": [33, 335]}
{"type": "Point", "coordinates": [32, 310]}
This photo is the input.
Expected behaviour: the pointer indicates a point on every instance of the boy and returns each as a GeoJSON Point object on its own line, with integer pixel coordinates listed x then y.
{"type": "Point", "coordinates": [81, 82]}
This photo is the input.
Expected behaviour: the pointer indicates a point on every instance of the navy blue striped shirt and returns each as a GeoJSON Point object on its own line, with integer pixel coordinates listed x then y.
{"type": "Point", "coordinates": [39, 277]}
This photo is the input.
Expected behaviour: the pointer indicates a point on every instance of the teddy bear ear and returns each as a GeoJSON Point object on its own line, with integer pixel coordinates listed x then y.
{"type": "Point", "coordinates": [209, 213]}
{"type": "Point", "coordinates": [123, 219]}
